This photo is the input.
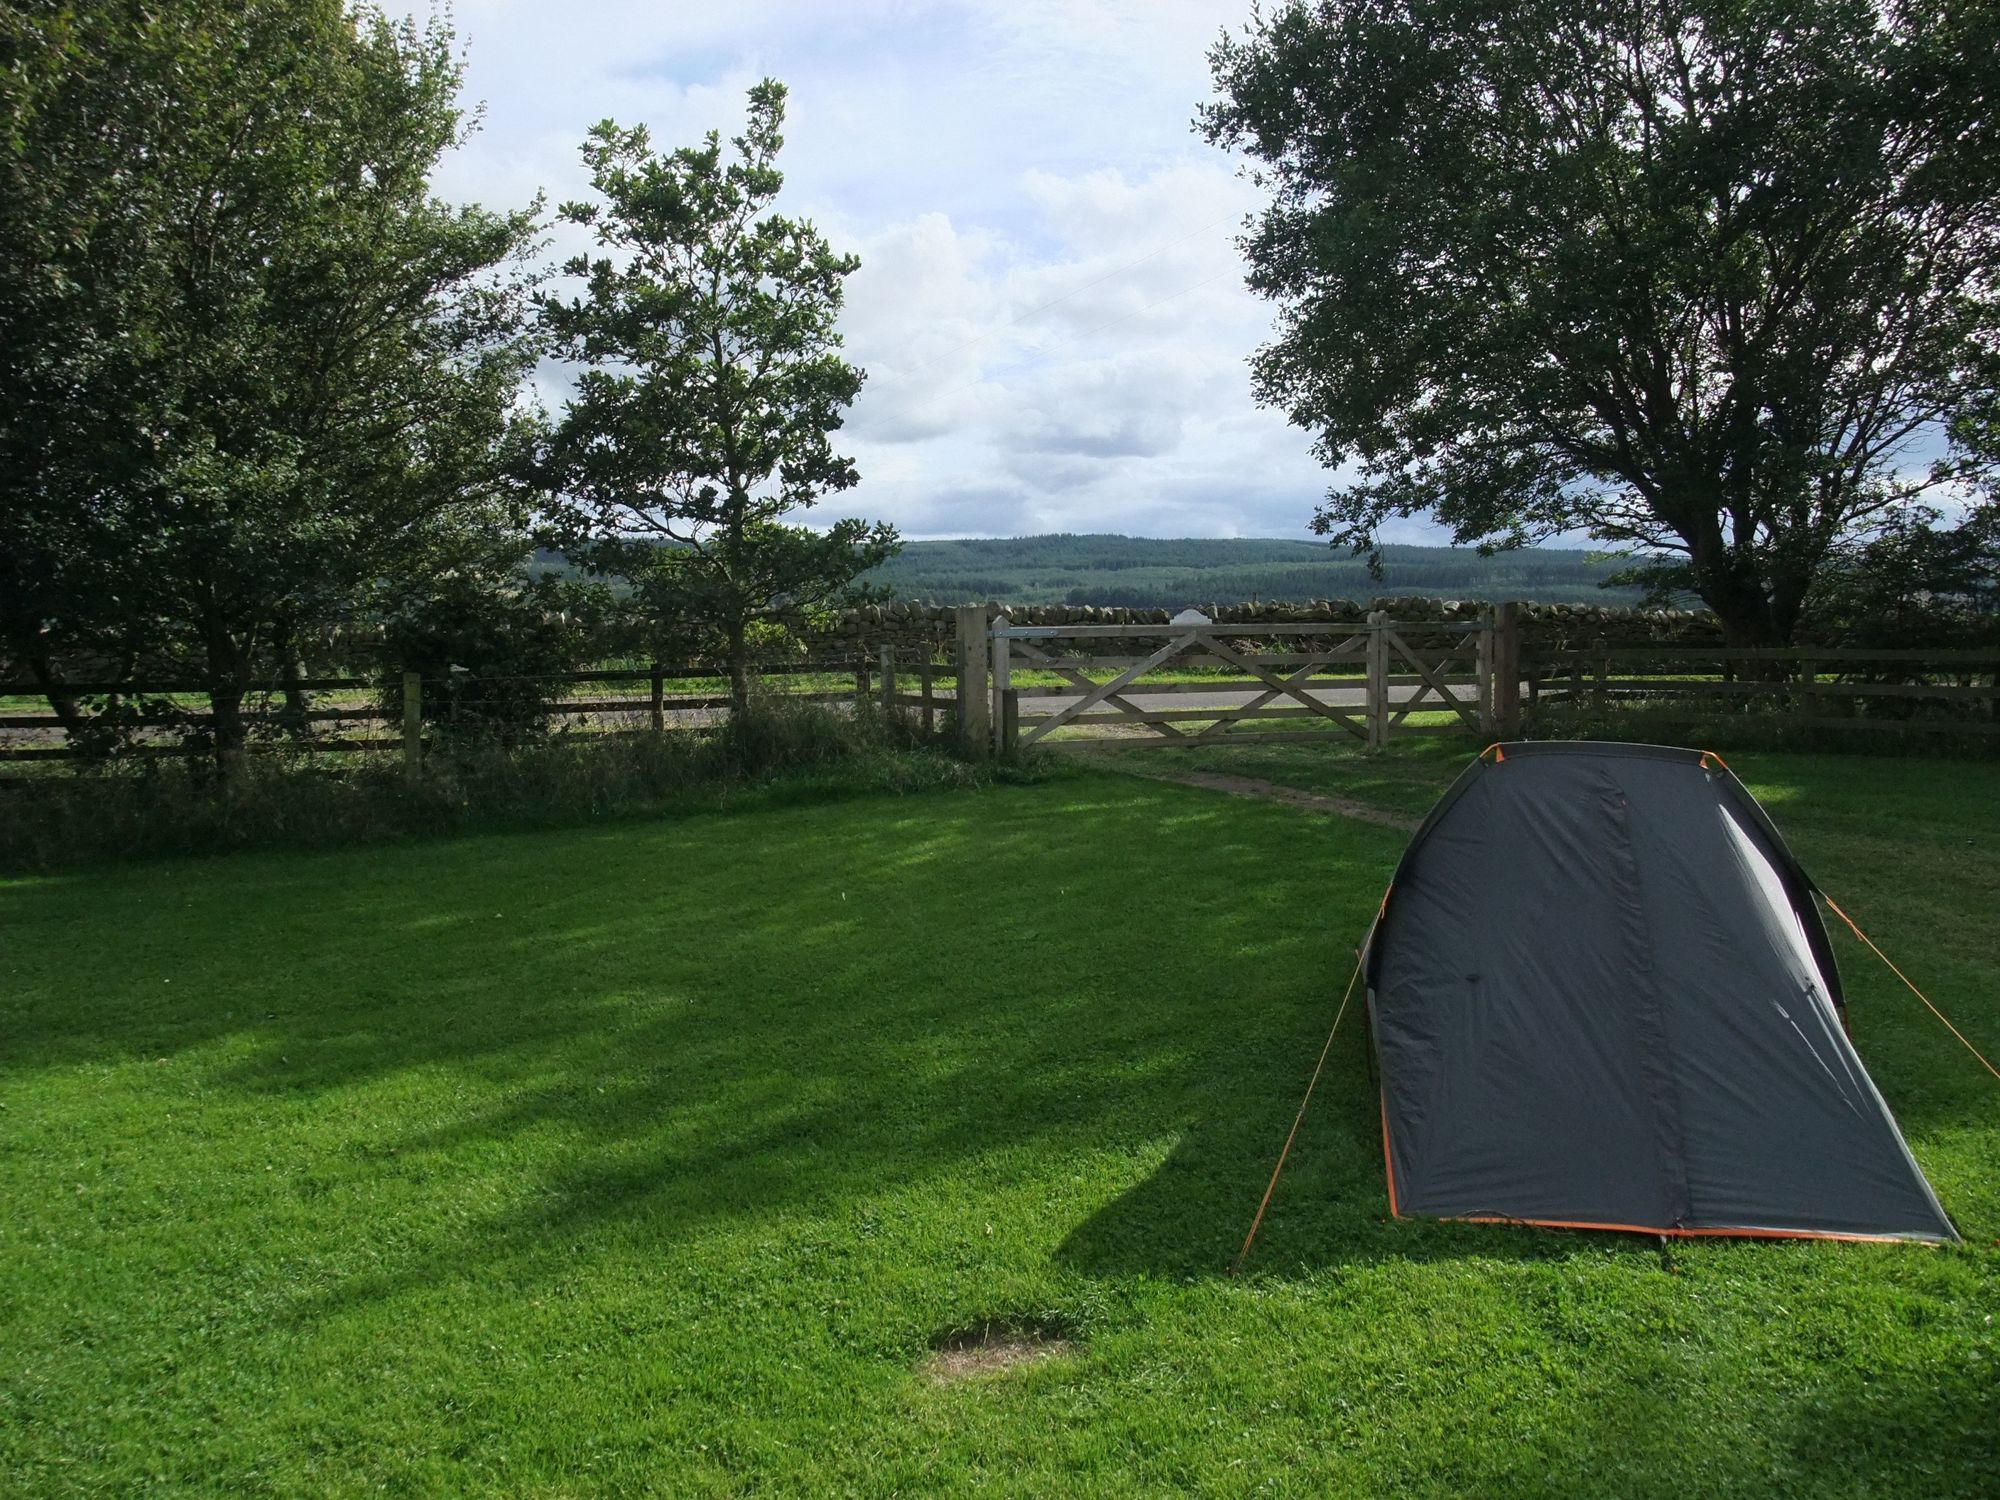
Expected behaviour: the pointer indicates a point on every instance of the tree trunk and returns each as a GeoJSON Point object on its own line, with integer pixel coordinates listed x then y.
{"type": "Point", "coordinates": [739, 667]}
{"type": "Point", "coordinates": [67, 710]}
{"type": "Point", "coordinates": [1729, 585]}
{"type": "Point", "coordinates": [1753, 613]}
{"type": "Point", "coordinates": [1744, 623]}
{"type": "Point", "coordinates": [1750, 624]}
{"type": "Point", "coordinates": [228, 681]}
{"type": "Point", "coordinates": [226, 724]}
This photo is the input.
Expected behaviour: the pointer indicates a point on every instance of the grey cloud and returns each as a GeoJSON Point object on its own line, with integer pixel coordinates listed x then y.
{"type": "Point", "coordinates": [1101, 434]}
{"type": "Point", "coordinates": [900, 422]}
{"type": "Point", "coordinates": [1049, 473]}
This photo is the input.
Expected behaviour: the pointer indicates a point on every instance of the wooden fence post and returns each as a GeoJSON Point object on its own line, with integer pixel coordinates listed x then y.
{"type": "Point", "coordinates": [1003, 682]}
{"type": "Point", "coordinates": [1378, 680]}
{"type": "Point", "coordinates": [1599, 696]}
{"type": "Point", "coordinates": [924, 682]}
{"type": "Point", "coordinates": [1483, 672]}
{"type": "Point", "coordinates": [971, 653]}
{"type": "Point", "coordinates": [659, 698]}
{"type": "Point", "coordinates": [413, 725]}
{"type": "Point", "coordinates": [886, 660]}
{"type": "Point", "coordinates": [1507, 670]}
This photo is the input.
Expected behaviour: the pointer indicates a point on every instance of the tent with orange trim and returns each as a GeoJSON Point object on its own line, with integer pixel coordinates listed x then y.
{"type": "Point", "coordinates": [1602, 997]}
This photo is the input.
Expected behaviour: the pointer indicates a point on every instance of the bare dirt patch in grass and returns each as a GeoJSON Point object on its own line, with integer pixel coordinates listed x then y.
{"type": "Point", "coordinates": [993, 1349]}
{"type": "Point", "coordinates": [1251, 786]}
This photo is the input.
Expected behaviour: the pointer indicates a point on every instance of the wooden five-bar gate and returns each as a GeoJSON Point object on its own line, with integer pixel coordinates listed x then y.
{"type": "Point", "coordinates": [1196, 681]}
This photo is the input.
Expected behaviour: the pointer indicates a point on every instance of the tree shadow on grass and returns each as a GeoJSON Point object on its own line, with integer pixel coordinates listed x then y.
{"type": "Point", "coordinates": [1189, 1218]}
{"type": "Point", "coordinates": [662, 1027]}
{"type": "Point", "coordinates": [672, 1025]}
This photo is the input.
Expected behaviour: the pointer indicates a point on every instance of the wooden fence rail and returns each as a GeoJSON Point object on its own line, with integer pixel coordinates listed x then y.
{"type": "Point", "coordinates": [43, 736]}
{"type": "Point", "coordinates": [1791, 685]}
{"type": "Point", "coordinates": [1185, 683]}
{"type": "Point", "coordinates": [1194, 681]}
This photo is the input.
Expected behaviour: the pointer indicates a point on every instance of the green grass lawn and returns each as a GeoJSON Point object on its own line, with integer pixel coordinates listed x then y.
{"type": "Point", "coordinates": [1406, 779]}
{"type": "Point", "coordinates": [654, 1158]}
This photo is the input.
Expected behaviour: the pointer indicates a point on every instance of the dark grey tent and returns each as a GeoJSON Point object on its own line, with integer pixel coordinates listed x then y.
{"type": "Point", "coordinates": [1602, 997]}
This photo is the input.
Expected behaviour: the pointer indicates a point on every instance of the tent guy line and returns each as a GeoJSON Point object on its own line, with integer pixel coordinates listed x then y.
{"type": "Point", "coordinates": [1854, 928]}
{"type": "Point", "coordinates": [1272, 1186]}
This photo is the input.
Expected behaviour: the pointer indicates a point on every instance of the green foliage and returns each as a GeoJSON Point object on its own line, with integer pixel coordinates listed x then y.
{"type": "Point", "coordinates": [505, 777]}
{"type": "Point", "coordinates": [1711, 280]}
{"type": "Point", "coordinates": [655, 1159]}
{"type": "Point", "coordinates": [263, 374]}
{"type": "Point", "coordinates": [488, 652]}
{"type": "Point", "coordinates": [711, 387]}
{"type": "Point", "coordinates": [1915, 583]}
{"type": "Point", "coordinates": [774, 733]}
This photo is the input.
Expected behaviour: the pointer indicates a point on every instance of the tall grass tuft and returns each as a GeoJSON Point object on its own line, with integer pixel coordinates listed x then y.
{"type": "Point", "coordinates": [776, 750]}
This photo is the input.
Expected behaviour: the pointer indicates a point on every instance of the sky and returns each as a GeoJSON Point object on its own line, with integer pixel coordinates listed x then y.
{"type": "Point", "coordinates": [1050, 306]}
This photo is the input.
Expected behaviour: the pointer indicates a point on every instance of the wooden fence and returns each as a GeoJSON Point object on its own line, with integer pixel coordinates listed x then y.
{"type": "Point", "coordinates": [1920, 691]}
{"type": "Point", "coordinates": [646, 704]}
{"type": "Point", "coordinates": [1186, 683]}
{"type": "Point", "coordinates": [1195, 682]}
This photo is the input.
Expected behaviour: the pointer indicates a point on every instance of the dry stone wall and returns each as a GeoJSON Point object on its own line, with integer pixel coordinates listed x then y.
{"type": "Point", "coordinates": [909, 628]}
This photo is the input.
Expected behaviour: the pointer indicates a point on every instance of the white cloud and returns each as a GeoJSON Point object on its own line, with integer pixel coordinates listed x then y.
{"type": "Point", "coordinates": [1050, 305]}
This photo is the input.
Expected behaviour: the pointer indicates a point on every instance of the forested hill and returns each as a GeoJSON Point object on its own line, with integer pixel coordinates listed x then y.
{"type": "Point", "coordinates": [1147, 573]}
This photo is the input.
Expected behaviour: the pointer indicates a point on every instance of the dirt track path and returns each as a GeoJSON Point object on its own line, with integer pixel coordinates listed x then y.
{"type": "Point", "coordinates": [1270, 791]}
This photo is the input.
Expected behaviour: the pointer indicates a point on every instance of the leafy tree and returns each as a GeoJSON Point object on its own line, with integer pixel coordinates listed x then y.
{"type": "Point", "coordinates": [490, 648]}
{"type": "Point", "coordinates": [254, 368]}
{"type": "Point", "coordinates": [72, 213]}
{"type": "Point", "coordinates": [1914, 583]}
{"type": "Point", "coordinates": [712, 384]}
{"type": "Point", "coordinates": [1711, 278]}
